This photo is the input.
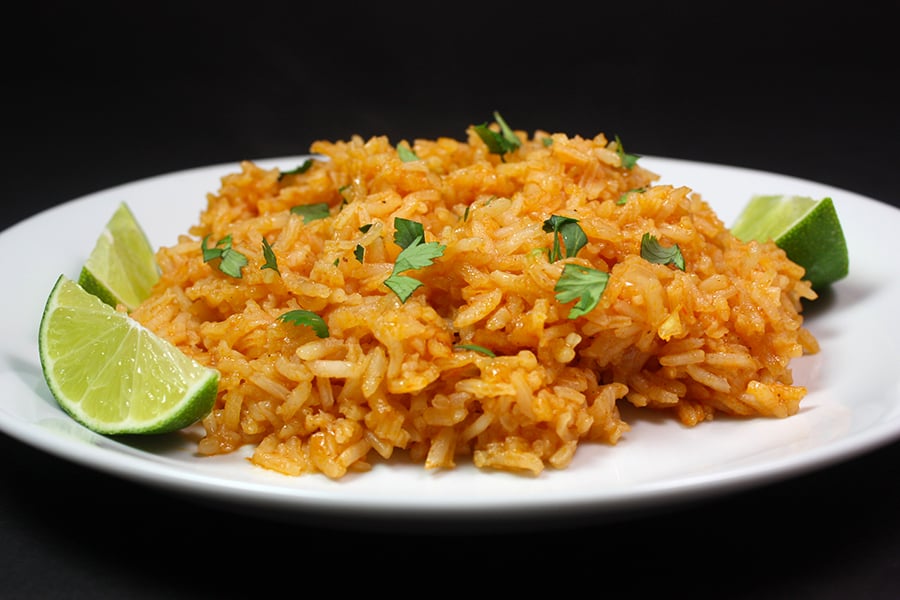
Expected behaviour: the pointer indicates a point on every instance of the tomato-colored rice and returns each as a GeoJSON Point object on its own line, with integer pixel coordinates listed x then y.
{"type": "Point", "coordinates": [392, 376]}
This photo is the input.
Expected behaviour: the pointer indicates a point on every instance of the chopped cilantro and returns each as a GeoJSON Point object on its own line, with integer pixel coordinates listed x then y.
{"type": "Point", "coordinates": [360, 252]}
{"type": "Point", "coordinates": [581, 283]}
{"type": "Point", "coordinates": [416, 254]}
{"type": "Point", "coordinates": [572, 234]}
{"type": "Point", "coordinates": [308, 318]}
{"type": "Point", "coordinates": [302, 168]}
{"type": "Point", "coordinates": [402, 285]}
{"type": "Point", "coordinates": [407, 231]}
{"type": "Point", "coordinates": [624, 197]}
{"type": "Point", "coordinates": [508, 134]}
{"type": "Point", "coordinates": [628, 160]}
{"type": "Point", "coordinates": [653, 251]}
{"type": "Point", "coordinates": [269, 254]}
{"type": "Point", "coordinates": [406, 153]}
{"type": "Point", "coordinates": [312, 212]}
{"type": "Point", "coordinates": [231, 261]}
{"type": "Point", "coordinates": [547, 141]}
{"type": "Point", "coordinates": [475, 348]}
{"type": "Point", "coordinates": [498, 142]}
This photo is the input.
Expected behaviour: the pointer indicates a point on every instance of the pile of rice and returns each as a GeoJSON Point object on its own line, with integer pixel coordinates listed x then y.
{"type": "Point", "coordinates": [396, 378]}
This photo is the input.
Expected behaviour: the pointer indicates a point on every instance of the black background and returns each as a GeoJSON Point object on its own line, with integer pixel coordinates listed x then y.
{"type": "Point", "coordinates": [99, 94]}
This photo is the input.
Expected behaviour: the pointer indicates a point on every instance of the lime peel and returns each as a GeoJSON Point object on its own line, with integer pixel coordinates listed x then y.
{"type": "Point", "coordinates": [807, 229]}
{"type": "Point", "coordinates": [112, 374]}
{"type": "Point", "coordinates": [121, 268]}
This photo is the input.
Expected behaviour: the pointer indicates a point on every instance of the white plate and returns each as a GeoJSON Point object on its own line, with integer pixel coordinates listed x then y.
{"type": "Point", "coordinates": [853, 404]}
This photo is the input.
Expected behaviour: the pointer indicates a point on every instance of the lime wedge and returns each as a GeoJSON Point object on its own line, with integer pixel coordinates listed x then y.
{"type": "Point", "coordinates": [807, 229]}
{"type": "Point", "coordinates": [122, 267]}
{"type": "Point", "coordinates": [112, 374]}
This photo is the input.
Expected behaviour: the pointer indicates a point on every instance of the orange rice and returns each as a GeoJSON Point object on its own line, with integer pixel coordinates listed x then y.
{"type": "Point", "coordinates": [397, 377]}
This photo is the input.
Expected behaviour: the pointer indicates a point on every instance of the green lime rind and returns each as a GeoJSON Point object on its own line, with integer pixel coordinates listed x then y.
{"type": "Point", "coordinates": [121, 268]}
{"type": "Point", "coordinates": [769, 217]}
{"type": "Point", "coordinates": [808, 230]}
{"type": "Point", "coordinates": [818, 243]}
{"type": "Point", "coordinates": [95, 287]}
{"type": "Point", "coordinates": [112, 374]}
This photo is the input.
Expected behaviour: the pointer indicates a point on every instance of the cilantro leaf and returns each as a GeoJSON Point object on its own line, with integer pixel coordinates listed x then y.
{"type": "Point", "coordinates": [498, 142]}
{"type": "Point", "coordinates": [628, 160]}
{"type": "Point", "coordinates": [416, 254]}
{"type": "Point", "coordinates": [359, 252]}
{"type": "Point", "coordinates": [231, 261]}
{"type": "Point", "coordinates": [653, 251]}
{"type": "Point", "coordinates": [624, 197]}
{"type": "Point", "coordinates": [308, 318]}
{"type": "Point", "coordinates": [269, 254]}
{"type": "Point", "coordinates": [213, 252]}
{"type": "Point", "coordinates": [312, 212]}
{"type": "Point", "coordinates": [302, 168]}
{"type": "Point", "coordinates": [573, 236]}
{"type": "Point", "coordinates": [508, 134]}
{"type": "Point", "coordinates": [406, 232]}
{"type": "Point", "coordinates": [583, 284]}
{"type": "Point", "coordinates": [402, 285]}
{"type": "Point", "coordinates": [406, 153]}
{"type": "Point", "coordinates": [475, 348]}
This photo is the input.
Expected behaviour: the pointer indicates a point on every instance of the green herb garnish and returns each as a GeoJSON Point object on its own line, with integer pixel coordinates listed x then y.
{"type": "Point", "coordinates": [624, 197]}
{"type": "Point", "coordinates": [628, 160]}
{"type": "Point", "coordinates": [653, 251]}
{"type": "Point", "coordinates": [406, 232]}
{"type": "Point", "coordinates": [416, 254]}
{"type": "Point", "coordinates": [406, 153]}
{"type": "Point", "coordinates": [231, 261]}
{"type": "Point", "coordinates": [583, 284]}
{"type": "Point", "coordinates": [312, 212]}
{"type": "Point", "coordinates": [475, 348]}
{"type": "Point", "coordinates": [573, 236]}
{"type": "Point", "coordinates": [360, 252]}
{"type": "Point", "coordinates": [302, 168]}
{"type": "Point", "coordinates": [498, 142]}
{"type": "Point", "coordinates": [307, 318]}
{"type": "Point", "coordinates": [269, 254]}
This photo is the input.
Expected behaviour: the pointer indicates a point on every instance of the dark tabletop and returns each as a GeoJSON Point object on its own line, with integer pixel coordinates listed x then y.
{"type": "Point", "coordinates": [103, 95]}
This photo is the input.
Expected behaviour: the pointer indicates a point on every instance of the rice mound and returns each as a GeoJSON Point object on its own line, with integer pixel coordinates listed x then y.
{"type": "Point", "coordinates": [395, 377]}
